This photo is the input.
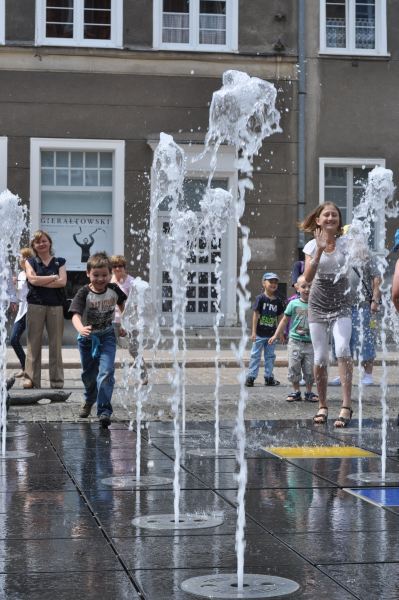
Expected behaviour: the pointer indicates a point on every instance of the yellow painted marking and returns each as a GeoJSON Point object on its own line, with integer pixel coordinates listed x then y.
{"type": "Point", "coordinates": [318, 451]}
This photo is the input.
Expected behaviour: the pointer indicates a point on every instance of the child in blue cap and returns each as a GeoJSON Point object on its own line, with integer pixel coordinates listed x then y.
{"type": "Point", "coordinates": [268, 310]}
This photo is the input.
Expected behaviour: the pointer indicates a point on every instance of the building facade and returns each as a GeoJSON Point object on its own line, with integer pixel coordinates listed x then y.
{"type": "Point", "coordinates": [86, 88]}
{"type": "Point", "coordinates": [88, 85]}
{"type": "Point", "coordinates": [351, 68]}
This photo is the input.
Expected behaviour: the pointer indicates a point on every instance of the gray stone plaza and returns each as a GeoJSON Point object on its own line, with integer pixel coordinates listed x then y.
{"type": "Point", "coordinates": [315, 513]}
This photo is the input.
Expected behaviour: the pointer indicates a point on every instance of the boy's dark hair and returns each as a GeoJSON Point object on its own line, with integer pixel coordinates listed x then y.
{"type": "Point", "coordinates": [99, 260]}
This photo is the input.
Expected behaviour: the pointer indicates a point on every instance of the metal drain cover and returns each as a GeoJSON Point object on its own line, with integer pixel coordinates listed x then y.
{"type": "Point", "coordinates": [225, 586]}
{"type": "Point", "coordinates": [14, 434]}
{"type": "Point", "coordinates": [123, 482]}
{"type": "Point", "coordinates": [186, 521]}
{"type": "Point", "coordinates": [188, 432]}
{"type": "Point", "coordinates": [16, 454]}
{"type": "Point", "coordinates": [211, 453]}
{"type": "Point", "coordinates": [375, 477]}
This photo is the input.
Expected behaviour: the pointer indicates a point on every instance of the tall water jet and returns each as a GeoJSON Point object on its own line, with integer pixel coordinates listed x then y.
{"type": "Point", "coordinates": [139, 320]}
{"type": "Point", "coordinates": [177, 246]}
{"type": "Point", "coordinates": [169, 170]}
{"type": "Point", "coordinates": [183, 231]}
{"type": "Point", "coordinates": [242, 114]}
{"type": "Point", "coordinates": [12, 225]}
{"type": "Point", "coordinates": [359, 257]}
{"type": "Point", "coordinates": [216, 207]}
{"type": "Point", "coordinates": [369, 221]}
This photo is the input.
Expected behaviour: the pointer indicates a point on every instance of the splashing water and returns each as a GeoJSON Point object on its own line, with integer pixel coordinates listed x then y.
{"type": "Point", "coordinates": [216, 208]}
{"type": "Point", "coordinates": [242, 114]}
{"type": "Point", "coordinates": [140, 323]}
{"type": "Point", "coordinates": [169, 169]}
{"type": "Point", "coordinates": [12, 224]}
{"type": "Point", "coordinates": [369, 220]}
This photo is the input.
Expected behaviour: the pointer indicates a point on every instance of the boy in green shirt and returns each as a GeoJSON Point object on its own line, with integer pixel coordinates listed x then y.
{"type": "Point", "coordinates": [300, 349]}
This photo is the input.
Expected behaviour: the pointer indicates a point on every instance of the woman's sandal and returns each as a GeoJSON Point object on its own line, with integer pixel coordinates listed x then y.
{"type": "Point", "coordinates": [321, 416]}
{"type": "Point", "coordinates": [311, 397]}
{"type": "Point", "coordinates": [342, 422]}
{"type": "Point", "coordinates": [294, 397]}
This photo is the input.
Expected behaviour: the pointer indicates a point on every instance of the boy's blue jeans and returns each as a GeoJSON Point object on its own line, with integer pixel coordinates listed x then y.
{"type": "Point", "coordinates": [261, 343]}
{"type": "Point", "coordinates": [97, 355]}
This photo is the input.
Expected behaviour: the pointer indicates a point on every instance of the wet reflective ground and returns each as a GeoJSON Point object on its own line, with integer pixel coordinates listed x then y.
{"type": "Point", "coordinates": [327, 523]}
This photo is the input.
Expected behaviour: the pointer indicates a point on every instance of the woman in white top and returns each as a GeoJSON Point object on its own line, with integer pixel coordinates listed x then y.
{"type": "Point", "coordinates": [327, 265]}
{"type": "Point", "coordinates": [20, 320]}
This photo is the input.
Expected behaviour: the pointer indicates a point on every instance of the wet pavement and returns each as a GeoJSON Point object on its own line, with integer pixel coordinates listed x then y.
{"type": "Point", "coordinates": [317, 511]}
{"type": "Point", "coordinates": [320, 515]}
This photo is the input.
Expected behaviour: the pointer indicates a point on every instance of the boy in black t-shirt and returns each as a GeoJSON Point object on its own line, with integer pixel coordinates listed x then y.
{"type": "Point", "coordinates": [93, 311]}
{"type": "Point", "coordinates": [268, 311]}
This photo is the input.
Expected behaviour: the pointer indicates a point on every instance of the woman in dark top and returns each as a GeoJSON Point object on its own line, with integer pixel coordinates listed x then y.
{"type": "Point", "coordinates": [46, 277]}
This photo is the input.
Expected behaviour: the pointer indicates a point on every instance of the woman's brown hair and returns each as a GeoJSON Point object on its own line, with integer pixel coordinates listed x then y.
{"type": "Point", "coordinates": [36, 237]}
{"type": "Point", "coordinates": [26, 253]}
{"type": "Point", "coordinates": [309, 223]}
{"type": "Point", "coordinates": [118, 259]}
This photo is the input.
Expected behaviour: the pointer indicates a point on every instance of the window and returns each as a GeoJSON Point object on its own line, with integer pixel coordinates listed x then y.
{"type": "Point", "coordinates": [353, 27]}
{"type": "Point", "coordinates": [201, 289]}
{"type": "Point", "coordinates": [2, 21]}
{"type": "Point", "coordinates": [3, 164]}
{"type": "Point", "coordinates": [209, 25]}
{"type": "Point", "coordinates": [76, 194]}
{"type": "Point", "coordinates": [79, 22]}
{"type": "Point", "coordinates": [343, 181]}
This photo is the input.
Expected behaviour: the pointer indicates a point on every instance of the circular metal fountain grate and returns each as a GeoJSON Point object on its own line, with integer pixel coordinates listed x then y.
{"type": "Point", "coordinates": [14, 434]}
{"type": "Point", "coordinates": [16, 454]}
{"type": "Point", "coordinates": [375, 477]}
{"type": "Point", "coordinates": [187, 433]}
{"type": "Point", "coordinates": [124, 482]}
{"type": "Point", "coordinates": [210, 452]}
{"type": "Point", "coordinates": [225, 586]}
{"type": "Point", "coordinates": [186, 521]}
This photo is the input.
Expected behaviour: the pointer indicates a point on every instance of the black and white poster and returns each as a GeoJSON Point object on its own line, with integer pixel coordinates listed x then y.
{"type": "Point", "coordinates": [77, 237]}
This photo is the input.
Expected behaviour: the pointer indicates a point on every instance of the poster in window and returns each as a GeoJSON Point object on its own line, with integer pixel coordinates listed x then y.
{"type": "Point", "coordinates": [77, 237]}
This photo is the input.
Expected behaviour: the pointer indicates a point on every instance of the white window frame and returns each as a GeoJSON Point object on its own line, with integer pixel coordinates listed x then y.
{"type": "Point", "coordinates": [225, 169]}
{"type": "Point", "coordinates": [118, 195]}
{"type": "Point", "coordinates": [3, 163]}
{"type": "Point", "coordinates": [2, 21]}
{"type": "Point", "coordinates": [347, 162]}
{"type": "Point", "coordinates": [380, 31]}
{"type": "Point", "coordinates": [231, 29]}
{"type": "Point", "coordinates": [116, 40]}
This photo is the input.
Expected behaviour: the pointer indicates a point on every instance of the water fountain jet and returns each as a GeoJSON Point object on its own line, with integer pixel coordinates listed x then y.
{"type": "Point", "coordinates": [12, 224]}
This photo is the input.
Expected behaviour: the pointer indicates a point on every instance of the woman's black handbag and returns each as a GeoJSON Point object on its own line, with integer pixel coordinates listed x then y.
{"type": "Point", "coordinates": [66, 303]}
{"type": "Point", "coordinates": [65, 307]}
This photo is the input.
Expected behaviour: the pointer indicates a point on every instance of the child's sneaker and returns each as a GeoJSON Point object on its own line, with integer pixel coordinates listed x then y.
{"type": "Point", "coordinates": [367, 379]}
{"type": "Point", "coordinates": [335, 381]}
{"type": "Point", "coordinates": [85, 411]}
{"type": "Point", "coordinates": [249, 382]}
{"type": "Point", "coordinates": [105, 421]}
{"type": "Point", "coordinates": [271, 381]}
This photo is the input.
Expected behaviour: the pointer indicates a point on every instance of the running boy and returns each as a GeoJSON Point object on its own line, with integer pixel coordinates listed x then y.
{"type": "Point", "coordinates": [300, 349]}
{"type": "Point", "coordinates": [93, 310]}
{"type": "Point", "coordinates": [268, 309]}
